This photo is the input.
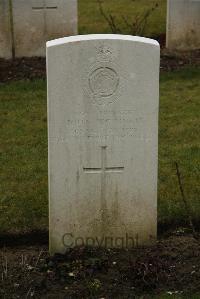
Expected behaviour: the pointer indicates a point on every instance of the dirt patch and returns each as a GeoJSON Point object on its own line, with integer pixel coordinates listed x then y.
{"type": "Point", "coordinates": [32, 68]}
{"type": "Point", "coordinates": [171, 61]}
{"type": "Point", "coordinates": [26, 238]}
{"type": "Point", "coordinates": [171, 266]}
{"type": "Point", "coordinates": [161, 38]}
{"type": "Point", "coordinates": [22, 68]}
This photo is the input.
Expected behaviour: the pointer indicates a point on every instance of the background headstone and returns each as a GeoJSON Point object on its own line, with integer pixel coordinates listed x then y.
{"type": "Point", "coordinates": [35, 22]}
{"type": "Point", "coordinates": [183, 24]}
{"type": "Point", "coordinates": [5, 30]}
{"type": "Point", "coordinates": [103, 94]}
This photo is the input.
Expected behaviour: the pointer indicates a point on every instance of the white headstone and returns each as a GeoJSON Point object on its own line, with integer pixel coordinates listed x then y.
{"type": "Point", "coordinates": [35, 22]}
{"type": "Point", "coordinates": [103, 94]}
{"type": "Point", "coordinates": [5, 30]}
{"type": "Point", "coordinates": [183, 24]}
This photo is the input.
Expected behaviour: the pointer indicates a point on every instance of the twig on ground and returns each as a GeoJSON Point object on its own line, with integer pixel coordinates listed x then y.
{"type": "Point", "coordinates": [185, 201]}
{"type": "Point", "coordinates": [41, 252]}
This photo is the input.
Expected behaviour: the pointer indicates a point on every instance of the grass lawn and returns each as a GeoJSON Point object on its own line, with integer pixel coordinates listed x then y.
{"type": "Point", "coordinates": [23, 153]}
{"type": "Point", "coordinates": [91, 21]}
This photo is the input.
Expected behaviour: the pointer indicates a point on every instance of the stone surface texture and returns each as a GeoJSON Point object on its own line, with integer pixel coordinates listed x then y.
{"type": "Point", "coordinates": [103, 98]}
{"type": "Point", "coordinates": [5, 32]}
{"type": "Point", "coordinates": [183, 24]}
{"type": "Point", "coordinates": [34, 23]}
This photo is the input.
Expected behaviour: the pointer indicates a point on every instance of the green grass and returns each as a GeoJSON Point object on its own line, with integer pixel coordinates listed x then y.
{"type": "Point", "coordinates": [23, 153]}
{"type": "Point", "coordinates": [23, 156]}
{"type": "Point", "coordinates": [91, 21]}
{"type": "Point", "coordinates": [179, 141]}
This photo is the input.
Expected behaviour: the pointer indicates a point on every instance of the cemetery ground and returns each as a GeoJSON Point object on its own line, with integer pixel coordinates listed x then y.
{"type": "Point", "coordinates": [169, 269]}
{"type": "Point", "coordinates": [24, 151]}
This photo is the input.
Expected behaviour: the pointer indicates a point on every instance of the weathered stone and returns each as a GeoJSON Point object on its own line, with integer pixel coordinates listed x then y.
{"type": "Point", "coordinates": [103, 93]}
{"type": "Point", "coordinates": [183, 24]}
{"type": "Point", "coordinates": [5, 30]}
{"type": "Point", "coordinates": [35, 22]}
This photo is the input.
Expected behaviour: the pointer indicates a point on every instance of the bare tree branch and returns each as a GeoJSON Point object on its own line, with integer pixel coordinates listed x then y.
{"type": "Point", "coordinates": [185, 201]}
{"type": "Point", "coordinates": [135, 27]}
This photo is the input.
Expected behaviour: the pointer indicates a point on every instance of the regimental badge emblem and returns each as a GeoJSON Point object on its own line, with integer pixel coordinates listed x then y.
{"type": "Point", "coordinates": [102, 82]}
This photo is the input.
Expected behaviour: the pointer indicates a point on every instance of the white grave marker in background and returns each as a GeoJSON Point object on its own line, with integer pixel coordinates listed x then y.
{"type": "Point", "coordinates": [183, 24]}
{"type": "Point", "coordinates": [103, 94]}
{"type": "Point", "coordinates": [5, 30]}
{"type": "Point", "coordinates": [35, 22]}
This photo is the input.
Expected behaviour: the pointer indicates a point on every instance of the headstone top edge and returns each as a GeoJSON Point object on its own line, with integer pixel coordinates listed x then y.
{"type": "Point", "coordinates": [79, 38]}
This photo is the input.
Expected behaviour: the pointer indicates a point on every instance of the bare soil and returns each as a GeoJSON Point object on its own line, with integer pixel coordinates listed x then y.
{"type": "Point", "coordinates": [171, 266]}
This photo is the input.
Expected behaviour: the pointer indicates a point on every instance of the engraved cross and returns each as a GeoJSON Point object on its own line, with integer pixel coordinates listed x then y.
{"type": "Point", "coordinates": [44, 6]}
{"type": "Point", "coordinates": [103, 170]}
